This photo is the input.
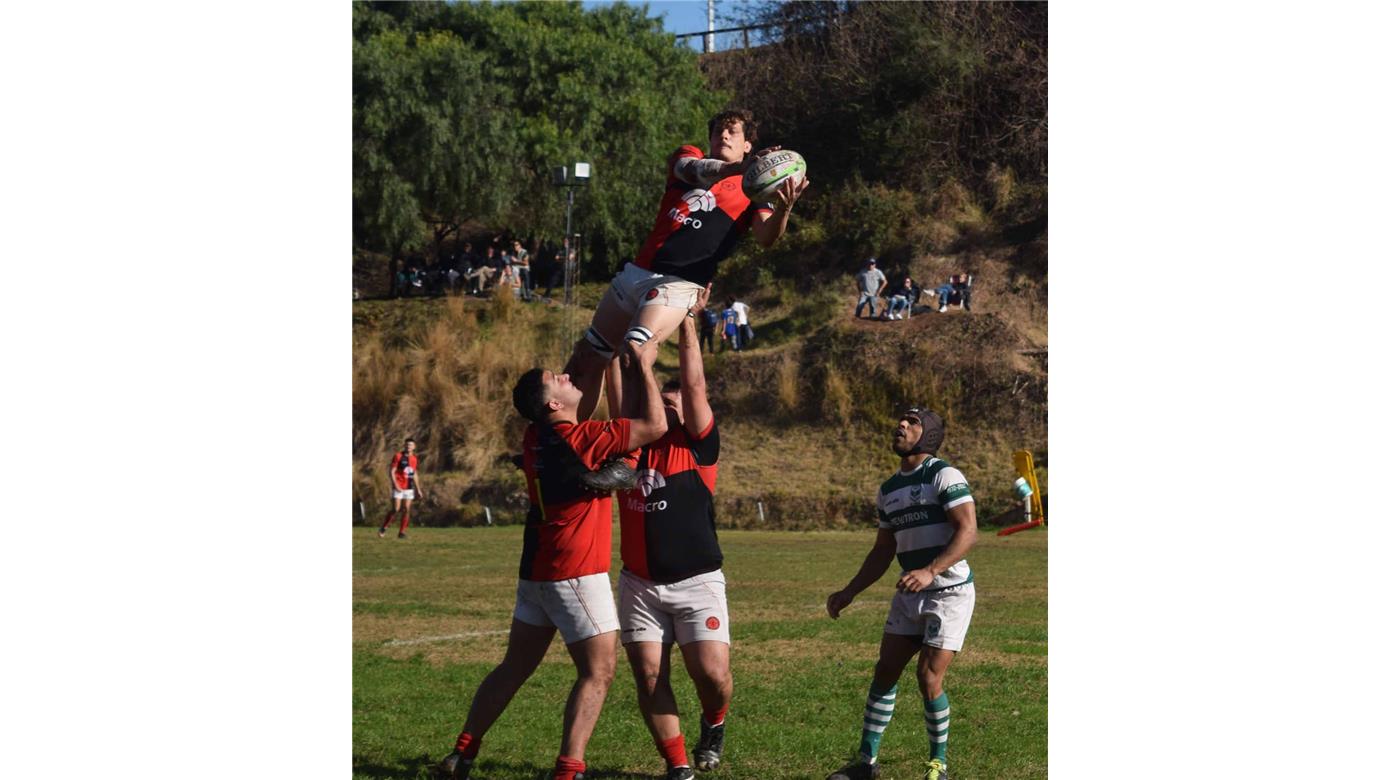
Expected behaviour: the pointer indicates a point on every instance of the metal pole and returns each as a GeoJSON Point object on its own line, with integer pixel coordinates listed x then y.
{"type": "Point", "coordinates": [710, 36]}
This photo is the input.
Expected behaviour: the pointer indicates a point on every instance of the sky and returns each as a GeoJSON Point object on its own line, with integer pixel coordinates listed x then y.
{"type": "Point", "coordinates": [684, 16]}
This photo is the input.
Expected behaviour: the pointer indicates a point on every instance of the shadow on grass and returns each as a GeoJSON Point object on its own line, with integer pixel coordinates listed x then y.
{"type": "Point", "coordinates": [421, 767]}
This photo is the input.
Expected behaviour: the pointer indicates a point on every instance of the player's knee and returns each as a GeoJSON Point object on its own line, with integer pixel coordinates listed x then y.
{"type": "Point", "coordinates": [597, 344]}
{"type": "Point", "coordinates": [886, 670]}
{"type": "Point", "coordinates": [648, 682]}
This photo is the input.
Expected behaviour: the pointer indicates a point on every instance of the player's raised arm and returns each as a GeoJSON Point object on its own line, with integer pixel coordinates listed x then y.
{"type": "Point", "coordinates": [612, 385]}
{"type": "Point", "coordinates": [650, 422]}
{"type": "Point", "coordinates": [769, 226]}
{"type": "Point", "coordinates": [691, 168]}
{"type": "Point", "coordinates": [694, 402]}
{"type": "Point", "coordinates": [877, 562]}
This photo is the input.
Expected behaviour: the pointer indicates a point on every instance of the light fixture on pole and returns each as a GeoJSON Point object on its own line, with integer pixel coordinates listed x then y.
{"type": "Point", "coordinates": [570, 178]}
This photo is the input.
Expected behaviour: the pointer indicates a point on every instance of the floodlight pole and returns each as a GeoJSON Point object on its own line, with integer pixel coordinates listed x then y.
{"type": "Point", "coordinates": [570, 178]}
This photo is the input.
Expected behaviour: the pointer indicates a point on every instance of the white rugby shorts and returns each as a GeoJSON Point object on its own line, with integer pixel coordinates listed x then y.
{"type": "Point", "coordinates": [408, 494]}
{"type": "Point", "coordinates": [636, 287]}
{"type": "Point", "coordinates": [580, 608]}
{"type": "Point", "coordinates": [941, 617]}
{"type": "Point", "coordinates": [690, 610]}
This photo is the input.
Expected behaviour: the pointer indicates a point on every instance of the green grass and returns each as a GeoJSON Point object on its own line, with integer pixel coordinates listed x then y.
{"type": "Point", "coordinates": [799, 677]}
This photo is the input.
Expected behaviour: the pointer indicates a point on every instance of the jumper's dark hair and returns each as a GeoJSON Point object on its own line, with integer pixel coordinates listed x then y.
{"type": "Point", "coordinates": [529, 394]}
{"type": "Point", "coordinates": [741, 115]}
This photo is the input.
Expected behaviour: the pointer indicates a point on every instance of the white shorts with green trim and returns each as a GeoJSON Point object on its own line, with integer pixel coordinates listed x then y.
{"type": "Point", "coordinates": [690, 610]}
{"type": "Point", "coordinates": [941, 617]}
{"type": "Point", "coordinates": [580, 608]}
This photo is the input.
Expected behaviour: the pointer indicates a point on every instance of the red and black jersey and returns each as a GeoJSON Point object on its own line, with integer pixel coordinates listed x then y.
{"type": "Point", "coordinates": [568, 529]}
{"type": "Point", "coordinates": [668, 521]}
{"type": "Point", "coordinates": [696, 227]}
{"type": "Point", "coordinates": [404, 467]}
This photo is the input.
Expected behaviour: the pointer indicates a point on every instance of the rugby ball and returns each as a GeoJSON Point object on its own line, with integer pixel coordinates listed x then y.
{"type": "Point", "coordinates": [768, 173]}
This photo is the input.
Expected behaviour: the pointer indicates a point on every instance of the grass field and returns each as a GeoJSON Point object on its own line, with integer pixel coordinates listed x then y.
{"type": "Point", "coordinates": [430, 620]}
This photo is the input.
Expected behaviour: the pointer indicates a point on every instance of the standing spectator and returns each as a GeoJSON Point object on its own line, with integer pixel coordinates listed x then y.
{"type": "Point", "coordinates": [901, 300]}
{"type": "Point", "coordinates": [731, 327]}
{"type": "Point", "coordinates": [563, 260]}
{"type": "Point", "coordinates": [403, 475]}
{"type": "Point", "coordinates": [520, 266]}
{"type": "Point", "coordinates": [959, 286]}
{"type": "Point", "coordinates": [745, 332]}
{"type": "Point", "coordinates": [400, 287]}
{"type": "Point", "coordinates": [709, 320]}
{"type": "Point", "coordinates": [869, 283]}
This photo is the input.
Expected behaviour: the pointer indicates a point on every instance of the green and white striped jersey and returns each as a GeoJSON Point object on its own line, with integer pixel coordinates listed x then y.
{"type": "Point", "coordinates": [914, 504]}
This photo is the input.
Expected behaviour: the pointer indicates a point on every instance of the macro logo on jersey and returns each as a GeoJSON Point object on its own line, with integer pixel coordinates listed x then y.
{"type": "Point", "coordinates": [695, 227]}
{"type": "Point", "coordinates": [649, 480]}
{"type": "Point", "coordinates": [668, 520]}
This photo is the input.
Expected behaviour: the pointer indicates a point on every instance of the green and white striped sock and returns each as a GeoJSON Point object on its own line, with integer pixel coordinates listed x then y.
{"type": "Point", "coordinates": [936, 717]}
{"type": "Point", "coordinates": [879, 707]}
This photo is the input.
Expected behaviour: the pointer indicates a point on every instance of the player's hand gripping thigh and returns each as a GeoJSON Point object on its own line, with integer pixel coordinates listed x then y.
{"type": "Point", "coordinates": [660, 320]}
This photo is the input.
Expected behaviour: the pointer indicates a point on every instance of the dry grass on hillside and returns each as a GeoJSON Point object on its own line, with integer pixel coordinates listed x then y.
{"type": "Point", "coordinates": [445, 381]}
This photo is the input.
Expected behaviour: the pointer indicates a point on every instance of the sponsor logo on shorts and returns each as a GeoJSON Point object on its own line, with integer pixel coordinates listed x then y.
{"type": "Point", "coordinates": [652, 293]}
{"type": "Point", "coordinates": [712, 623]}
{"type": "Point", "coordinates": [932, 627]}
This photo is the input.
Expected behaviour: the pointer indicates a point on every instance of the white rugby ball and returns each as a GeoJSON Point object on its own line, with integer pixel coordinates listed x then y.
{"type": "Point", "coordinates": [768, 173]}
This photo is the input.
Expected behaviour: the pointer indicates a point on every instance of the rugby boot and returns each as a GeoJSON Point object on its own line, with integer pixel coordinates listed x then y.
{"type": "Point", "coordinates": [710, 747]}
{"type": "Point", "coordinates": [856, 770]}
{"type": "Point", "coordinates": [455, 767]}
{"type": "Point", "coordinates": [613, 474]}
{"type": "Point", "coordinates": [936, 770]}
{"type": "Point", "coordinates": [680, 773]}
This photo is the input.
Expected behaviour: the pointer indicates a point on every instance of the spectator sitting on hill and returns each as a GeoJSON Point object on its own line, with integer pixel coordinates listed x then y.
{"type": "Point", "coordinates": [958, 289]}
{"type": "Point", "coordinates": [869, 283]}
{"type": "Point", "coordinates": [415, 279]}
{"type": "Point", "coordinates": [900, 300]}
{"type": "Point", "coordinates": [480, 274]}
{"type": "Point", "coordinates": [459, 266]}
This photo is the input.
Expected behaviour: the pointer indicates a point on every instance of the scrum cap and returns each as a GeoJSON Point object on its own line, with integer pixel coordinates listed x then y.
{"type": "Point", "coordinates": [933, 429]}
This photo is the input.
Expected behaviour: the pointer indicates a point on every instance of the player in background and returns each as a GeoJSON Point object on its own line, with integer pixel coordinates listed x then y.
{"type": "Point", "coordinates": [927, 518]}
{"type": "Point", "coordinates": [564, 561]}
{"type": "Point", "coordinates": [403, 476]}
{"type": "Point", "coordinates": [702, 215]}
{"type": "Point", "coordinates": [672, 590]}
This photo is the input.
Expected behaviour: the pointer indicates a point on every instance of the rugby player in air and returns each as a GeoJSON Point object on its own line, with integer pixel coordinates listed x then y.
{"type": "Point", "coordinates": [564, 563]}
{"type": "Point", "coordinates": [927, 519]}
{"type": "Point", "coordinates": [702, 215]}
{"type": "Point", "coordinates": [672, 590]}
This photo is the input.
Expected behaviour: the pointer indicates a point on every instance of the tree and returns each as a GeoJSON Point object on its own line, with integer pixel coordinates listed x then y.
{"type": "Point", "coordinates": [461, 110]}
